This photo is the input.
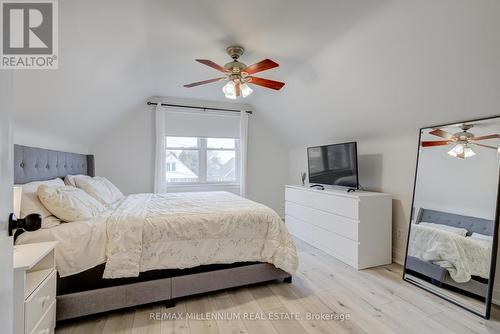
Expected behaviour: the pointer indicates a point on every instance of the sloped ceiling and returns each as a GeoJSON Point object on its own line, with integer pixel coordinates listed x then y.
{"type": "Point", "coordinates": [353, 68]}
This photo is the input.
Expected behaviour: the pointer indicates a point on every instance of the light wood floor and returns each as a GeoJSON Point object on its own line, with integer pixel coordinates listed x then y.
{"type": "Point", "coordinates": [377, 300]}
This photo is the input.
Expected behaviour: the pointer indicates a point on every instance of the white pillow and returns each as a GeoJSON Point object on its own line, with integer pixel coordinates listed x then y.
{"type": "Point", "coordinates": [100, 188]}
{"type": "Point", "coordinates": [457, 230]}
{"type": "Point", "coordinates": [481, 236]}
{"type": "Point", "coordinates": [69, 203]}
{"type": "Point", "coordinates": [31, 204]}
{"type": "Point", "coordinates": [69, 180]}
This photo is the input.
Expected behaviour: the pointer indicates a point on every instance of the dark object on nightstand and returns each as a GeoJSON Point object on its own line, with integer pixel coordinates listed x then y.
{"type": "Point", "coordinates": [29, 223]}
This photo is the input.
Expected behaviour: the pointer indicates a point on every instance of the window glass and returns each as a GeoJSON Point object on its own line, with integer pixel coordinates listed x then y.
{"type": "Point", "coordinates": [182, 165]}
{"type": "Point", "coordinates": [221, 166]}
{"type": "Point", "coordinates": [200, 160]}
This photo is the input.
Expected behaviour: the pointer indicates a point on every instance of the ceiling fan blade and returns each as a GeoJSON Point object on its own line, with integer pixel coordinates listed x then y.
{"type": "Point", "coordinates": [488, 146]}
{"type": "Point", "coordinates": [430, 143]}
{"type": "Point", "coordinates": [276, 85]}
{"type": "Point", "coordinates": [194, 84]}
{"type": "Point", "coordinates": [441, 133]}
{"type": "Point", "coordinates": [487, 137]}
{"type": "Point", "coordinates": [263, 65]}
{"type": "Point", "coordinates": [212, 65]}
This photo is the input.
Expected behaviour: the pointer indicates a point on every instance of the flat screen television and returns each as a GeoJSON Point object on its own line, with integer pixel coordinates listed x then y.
{"type": "Point", "coordinates": [335, 165]}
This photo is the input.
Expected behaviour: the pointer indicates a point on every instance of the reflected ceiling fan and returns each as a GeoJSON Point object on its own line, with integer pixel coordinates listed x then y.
{"type": "Point", "coordinates": [239, 75]}
{"type": "Point", "coordinates": [462, 141]}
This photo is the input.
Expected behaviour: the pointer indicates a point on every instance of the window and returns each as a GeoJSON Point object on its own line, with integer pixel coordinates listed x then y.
{"type": "Point", "coordinates": [171, 166]}
{"type": "Point", "coordinates": [201, 160]}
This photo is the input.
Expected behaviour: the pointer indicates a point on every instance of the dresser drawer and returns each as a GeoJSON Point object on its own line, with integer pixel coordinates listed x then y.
{"type": "Point", "coordinates": [48, 323]}
{"type": "Point", "coordinates": [39, 302]}
{"type": "Point", "coordinates": [302, 197]}
{"type": "Point", "coordinates": [343, 226]}
{"type": "Point", "coordinates": [300, 212]}
{"type": "Point", "coordinates": [340, 205]}
{"type": "Point", "coordinates": [299, 228]}
{"type": "Point", "coordinates": [346, 250]}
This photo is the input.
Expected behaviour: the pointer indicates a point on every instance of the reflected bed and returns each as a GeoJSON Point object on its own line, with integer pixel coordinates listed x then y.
{"type": "Point", "coordinates": [477, 286]}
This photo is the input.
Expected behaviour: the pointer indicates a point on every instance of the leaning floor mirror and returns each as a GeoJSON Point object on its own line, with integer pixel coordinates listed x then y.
{"type": "Point", "coordinates": [453, 235]}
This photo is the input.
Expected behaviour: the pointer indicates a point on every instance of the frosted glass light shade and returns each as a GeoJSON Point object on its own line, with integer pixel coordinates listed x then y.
{"type": "Point", "coordinates": [229, 90]}
{"type": "Point", "coordinates": [245, 90]}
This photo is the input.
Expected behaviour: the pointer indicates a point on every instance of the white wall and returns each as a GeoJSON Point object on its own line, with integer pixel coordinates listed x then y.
{"type": "Point", "coordinates": [46, 139]}
{"type": "Point", "coordinates": [125, 154]}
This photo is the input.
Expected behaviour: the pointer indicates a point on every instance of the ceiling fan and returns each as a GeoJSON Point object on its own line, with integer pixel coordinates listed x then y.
{"type": "Point", "coordinates": [239, 75]}
{"type": "Point", "coordinates": [462, 141]}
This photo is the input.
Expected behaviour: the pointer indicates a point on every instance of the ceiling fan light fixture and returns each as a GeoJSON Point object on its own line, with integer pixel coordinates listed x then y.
{"type": "Point", "coordinates": [245, 90]}
{"type": "Point", "coordinates": [462, 151]}
{"type": "Point", "coordinates": [457, 150]}
{"type": "Point", "coordinates": [229, 90]}
{"type": "Point", "coordinates": [468, 152]}
{"type": "Point", "coordinates": [239, 74]}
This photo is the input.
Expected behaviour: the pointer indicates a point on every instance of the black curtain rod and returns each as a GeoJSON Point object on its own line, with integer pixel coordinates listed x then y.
{"type": "Point", "coordinates": [194, 107]}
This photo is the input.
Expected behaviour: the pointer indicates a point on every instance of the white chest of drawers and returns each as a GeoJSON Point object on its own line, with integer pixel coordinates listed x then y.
{"type": "Point", "coordinates": [354, 227]}
{"type": "Point", "coordinates": [34, 288]}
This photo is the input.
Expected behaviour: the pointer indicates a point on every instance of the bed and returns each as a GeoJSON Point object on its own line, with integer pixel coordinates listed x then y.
{"type": "Point", "coordinates": [476, 286]}
{"type": "Point", "coordinates": [162, 262]}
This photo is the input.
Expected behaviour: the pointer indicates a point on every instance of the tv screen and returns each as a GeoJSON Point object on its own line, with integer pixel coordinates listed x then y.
{"type": "Point", "coordinates": [334, 165]}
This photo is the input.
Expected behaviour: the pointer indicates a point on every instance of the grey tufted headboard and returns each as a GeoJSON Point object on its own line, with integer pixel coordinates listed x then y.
{"type": "Point", "coordinates": [471, 224]}
{"type": "Point", "coordinates": [38, 164]}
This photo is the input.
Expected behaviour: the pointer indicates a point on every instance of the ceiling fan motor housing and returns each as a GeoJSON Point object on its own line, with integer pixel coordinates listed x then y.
{"type": "Point", "coordinates": [235, 51]}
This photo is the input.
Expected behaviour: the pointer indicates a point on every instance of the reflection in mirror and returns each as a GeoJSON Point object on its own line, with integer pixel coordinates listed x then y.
{"type": "Point", "coordinates": [454, 214]}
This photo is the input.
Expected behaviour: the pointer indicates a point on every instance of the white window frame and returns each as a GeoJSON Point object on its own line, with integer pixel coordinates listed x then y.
{"type": "Point", "coordinates": [202, 162]}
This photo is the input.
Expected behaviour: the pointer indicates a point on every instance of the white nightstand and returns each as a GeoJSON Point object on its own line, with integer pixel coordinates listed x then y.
{"type": "Point", "coordinates": [34, 288]}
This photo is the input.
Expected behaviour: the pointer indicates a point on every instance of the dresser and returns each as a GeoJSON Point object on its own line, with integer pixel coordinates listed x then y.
{"type": "Point", "coordinates": [354, 227]}
{"type": "Point", "coordinates": [34, 288]}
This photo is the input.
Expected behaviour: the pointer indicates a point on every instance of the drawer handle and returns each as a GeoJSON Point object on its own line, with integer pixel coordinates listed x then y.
{"type": "Point", "coordinates": [43, 300]}
{"type": "Point", "coordinates": [44, 331]}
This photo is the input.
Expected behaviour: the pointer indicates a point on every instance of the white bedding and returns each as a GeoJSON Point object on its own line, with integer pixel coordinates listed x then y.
{"type": "Point", "coordinates": [461, 256]}
{"type": "Point", "coordinates": [163, 231]}
{"type": "Point", "coordinates": [82, 245]}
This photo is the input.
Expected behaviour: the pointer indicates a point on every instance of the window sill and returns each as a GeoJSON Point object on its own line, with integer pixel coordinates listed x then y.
{"type": "Point", "coordinates": [202, 186]}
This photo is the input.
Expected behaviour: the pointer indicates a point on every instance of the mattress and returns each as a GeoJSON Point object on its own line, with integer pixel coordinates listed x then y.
{"type": "Point", "coordinates": [146, 232]}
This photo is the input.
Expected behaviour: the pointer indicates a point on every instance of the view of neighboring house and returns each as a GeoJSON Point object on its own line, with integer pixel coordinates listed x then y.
{"type": "Point", "coordinates": [220, 171]}
{"type": "Point", "coordinates": [217, 170]}
{"type": "Point", "coordinates": [176, 171]}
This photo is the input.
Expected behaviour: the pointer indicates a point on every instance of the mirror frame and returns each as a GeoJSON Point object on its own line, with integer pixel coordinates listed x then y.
{"type": "Point", "coordinates": [494, 247]}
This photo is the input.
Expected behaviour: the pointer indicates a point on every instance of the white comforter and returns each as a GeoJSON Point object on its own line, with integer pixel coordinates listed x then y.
{"type": "Point", "coordinates": [461, 256]}
{"type": "Point", "coordinates": [164, 231]}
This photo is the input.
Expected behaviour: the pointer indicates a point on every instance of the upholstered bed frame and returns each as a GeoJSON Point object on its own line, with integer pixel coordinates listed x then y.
{"type": "Point", "coordinates": [88, 293]}
{"type": "Point", "coordinates": [477, 287]}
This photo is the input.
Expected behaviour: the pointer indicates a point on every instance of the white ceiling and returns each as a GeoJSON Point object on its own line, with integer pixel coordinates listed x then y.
{"type": "Point", "coordinates": [353, 68]}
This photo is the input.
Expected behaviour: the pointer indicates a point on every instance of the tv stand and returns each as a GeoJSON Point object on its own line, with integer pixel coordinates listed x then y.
{"type": "Point", "coordinates": [354, 227]}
